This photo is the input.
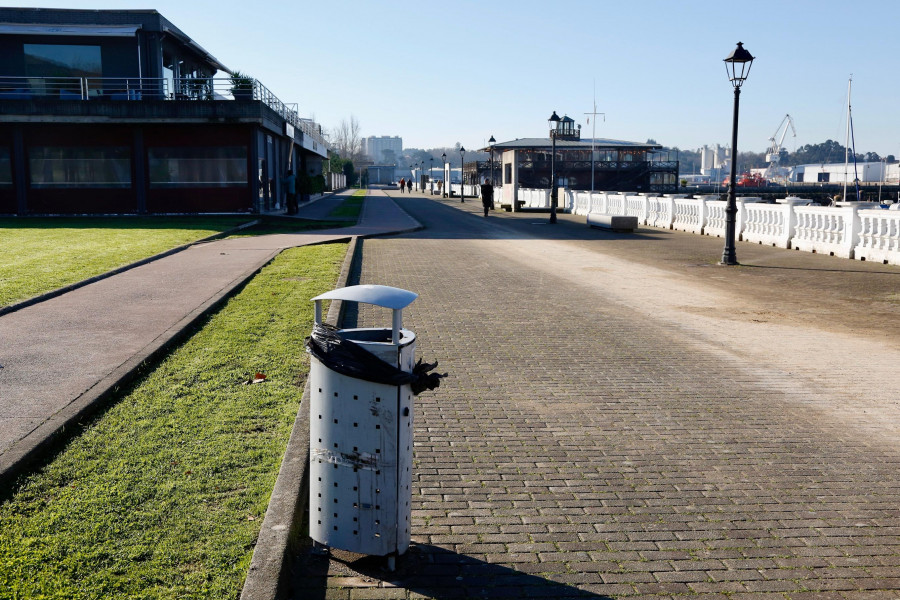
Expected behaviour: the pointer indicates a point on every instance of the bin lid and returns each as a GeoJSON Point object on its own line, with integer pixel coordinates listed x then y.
{"type": "Point", "coordinates": [379, 295]}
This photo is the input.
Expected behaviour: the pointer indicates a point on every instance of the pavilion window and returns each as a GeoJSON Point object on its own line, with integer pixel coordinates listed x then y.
{"type": "Point", "coordinates": [78, 166]}
{"type": "Point", "coordinates": [202, 166]}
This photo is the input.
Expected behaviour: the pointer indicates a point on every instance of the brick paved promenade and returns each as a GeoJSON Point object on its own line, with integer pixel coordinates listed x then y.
{"type": "Point", "coordinates": [610, 429]}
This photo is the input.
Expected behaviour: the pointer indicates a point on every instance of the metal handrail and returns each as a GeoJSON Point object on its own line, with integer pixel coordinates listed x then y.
{"type": "Point", "coordinates": [149, 88]}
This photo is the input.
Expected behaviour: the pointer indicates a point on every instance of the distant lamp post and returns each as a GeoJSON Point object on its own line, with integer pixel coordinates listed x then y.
{"type": "Point", "coordinates": [431, 174]}
{"type": "Point", "coordinates": [491, 143]}
{"type": "Point", "coordinates": [445, 178]}
{"type": "Point", "coordinates": [462, 176]}
{"type": "Point", "coordinates": [737, 65]}
{"type": "Point", "coordinates": [553, 121]}
{"type": "Point", "coordinates": [422, 178]}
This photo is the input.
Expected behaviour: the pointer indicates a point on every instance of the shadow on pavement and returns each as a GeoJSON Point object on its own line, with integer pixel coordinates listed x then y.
{"type": "Point", "coordinates": [425, 570]}
{"type": "Point", "coordinates": [848, 270]}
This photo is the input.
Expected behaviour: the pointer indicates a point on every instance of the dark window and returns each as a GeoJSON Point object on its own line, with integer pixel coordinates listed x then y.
{"type": "Point", "coordinates": [61, 60]}
{"type": "Point", "coordinates": [224, 166]}
{"type": "Point", "coordinates": [102, 167]}
{"type": "Point", "coordinates": [507, 173]}
{"type": "Point", "coordinates": [5, 168]}
{"type": "Point", "coordinates": [824, 177]}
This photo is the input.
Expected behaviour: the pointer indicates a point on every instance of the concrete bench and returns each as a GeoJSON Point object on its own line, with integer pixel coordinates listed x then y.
{"type": "Point", "coordinates": [619, 223]}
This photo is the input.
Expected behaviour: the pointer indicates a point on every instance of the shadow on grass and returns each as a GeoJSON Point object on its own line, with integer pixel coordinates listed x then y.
{"type": "Point", "coordinates": [426, 571]}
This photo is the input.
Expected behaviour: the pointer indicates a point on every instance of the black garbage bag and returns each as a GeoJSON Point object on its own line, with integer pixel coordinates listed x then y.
{"type": "Point", "coordinates": [349, 358]}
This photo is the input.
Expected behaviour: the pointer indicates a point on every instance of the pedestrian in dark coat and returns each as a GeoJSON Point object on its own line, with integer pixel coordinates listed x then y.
{"type": "Point", "coordinates": [290, 186]}
{"type": "Point", "coordinates": [409, 186]}
{"type": "Point", "coordinates": [487, 196]}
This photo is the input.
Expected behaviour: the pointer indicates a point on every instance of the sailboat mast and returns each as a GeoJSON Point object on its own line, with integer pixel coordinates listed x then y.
{"type": "Point", "coordinates": [847, 141]}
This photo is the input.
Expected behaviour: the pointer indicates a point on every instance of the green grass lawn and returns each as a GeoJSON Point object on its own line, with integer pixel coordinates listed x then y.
{"type": "Point", "coordinates": [350, 207]}
{"type": "Point", "coordinates": [163, 495]}
{"type": "Point", "coordinates": [41, 255]}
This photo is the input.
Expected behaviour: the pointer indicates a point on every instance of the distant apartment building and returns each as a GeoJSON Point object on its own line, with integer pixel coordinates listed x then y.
{"type": "Point", "coordinates": [384, 149]}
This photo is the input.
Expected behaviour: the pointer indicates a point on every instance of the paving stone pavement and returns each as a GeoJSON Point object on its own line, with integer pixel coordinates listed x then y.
{"type": "Point", "coordinates": [581, 448]}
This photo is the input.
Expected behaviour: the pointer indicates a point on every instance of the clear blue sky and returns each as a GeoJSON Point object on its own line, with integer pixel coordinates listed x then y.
{"type": "Point", "coordinates": [437, 73]}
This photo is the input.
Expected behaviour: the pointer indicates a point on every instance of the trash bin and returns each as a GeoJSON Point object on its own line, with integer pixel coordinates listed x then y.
{"type": "Point", "coordinates": [362, 382]}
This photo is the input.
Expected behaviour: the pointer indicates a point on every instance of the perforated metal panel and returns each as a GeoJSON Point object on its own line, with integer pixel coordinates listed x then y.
{"type": "Point", "coordinates": [361, 453]}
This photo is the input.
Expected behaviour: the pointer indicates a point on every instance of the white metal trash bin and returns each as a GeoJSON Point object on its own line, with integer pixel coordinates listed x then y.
{"type": "Point", "coordinates": [361, 438]}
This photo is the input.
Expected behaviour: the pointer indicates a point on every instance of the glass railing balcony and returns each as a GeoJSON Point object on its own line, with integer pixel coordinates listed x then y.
{"type": "Point", "coordinates": [147, 88]}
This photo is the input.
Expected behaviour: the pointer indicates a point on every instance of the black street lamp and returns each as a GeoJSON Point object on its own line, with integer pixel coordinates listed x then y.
{"type": "Point", "coordinates": [445, 178]}
{"type": "Point", "coordinates": [422, 179]}
{"type": "Point", "coordinates": [431, 174]}
{"type": "Point", "coordinates": [462, 175]}
{"type": "Point", "coordinates": [554, 128]}
{"type": "Point", "coordinates": [491, 142]}
{"type": "Point", "coordinates": [737, 65]}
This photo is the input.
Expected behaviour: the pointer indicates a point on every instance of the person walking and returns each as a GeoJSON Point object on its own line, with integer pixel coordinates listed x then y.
{"type": "Point", "coordinates": [487, 196]}
{"type": "Point", "coordinates": [402, 184]}
{"type": "Point", "coordinates": [409, 186]}
{"type": "Point", "coordinates": [290, 185]}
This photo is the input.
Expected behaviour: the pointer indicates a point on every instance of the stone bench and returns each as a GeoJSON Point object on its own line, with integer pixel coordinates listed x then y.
{"type": "Point", "coordinates": [618, 223]}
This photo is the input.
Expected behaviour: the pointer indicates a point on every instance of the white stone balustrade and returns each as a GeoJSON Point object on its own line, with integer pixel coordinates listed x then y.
{"type": "Point", "coordinates": [879, 236]}
{"type": "Point", "coordinates": [690, 215]}
{"type": "Point", "coordinates": [850, 230]}
{"type": "Point", "coordinates": [636, 206]}
{"type": "Point", "coordinates": [771, 224]}
{"type": "Point", "coordinates": [661, 211]}
{"type": "Point", "coordinates": [827, 229]}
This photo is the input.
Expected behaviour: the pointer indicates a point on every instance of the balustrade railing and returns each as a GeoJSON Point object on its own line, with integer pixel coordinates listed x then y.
{"type": "Point", "coordinates": [148, 88]}
{"type": "Point", "coordinates": [826, 229]}
{"type": "Point", "coordinates": [768, 224]}
{"type": "Point", "coordinates": [879, 236]}
{"type": "Point", "coordinates": [854, 230]}
{"type": "Point", "coordinates": [690, 215]}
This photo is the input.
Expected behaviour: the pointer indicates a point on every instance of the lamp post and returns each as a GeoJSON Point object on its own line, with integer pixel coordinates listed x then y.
{"type": "Point", "coordinates": [491, 142]}
{"type": "Point", "coordinates": [421, 185]}
{"type": "Point", "coordinates": [431, 174]}
{"type": "Point", "coordinates": [462, 176]}
{"type": "Point", "coordinates": [554, 127]}
{"type": "Point", "coordinates": [444, 177]}
{"type": "Point", "coordinates": [737, 65]}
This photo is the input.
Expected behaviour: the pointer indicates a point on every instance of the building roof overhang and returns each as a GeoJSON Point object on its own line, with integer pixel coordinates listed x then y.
{"type": "Point", "coordinates": [546, 143]}
{"type": "Point", "coordinates": [68, 30]}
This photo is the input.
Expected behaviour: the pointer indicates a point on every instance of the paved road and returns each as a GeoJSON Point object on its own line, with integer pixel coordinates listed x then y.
{"type": "Point", "coordinates": [623, 418]}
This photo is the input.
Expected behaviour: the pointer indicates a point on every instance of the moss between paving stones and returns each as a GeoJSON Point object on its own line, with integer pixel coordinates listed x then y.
{"type": "Point", "coordinates": [163, 495]}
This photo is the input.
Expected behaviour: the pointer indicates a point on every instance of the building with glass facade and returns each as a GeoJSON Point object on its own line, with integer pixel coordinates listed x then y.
{"type": "Point", "coordinates": [600, 164]}
{"type": "Point", "coordinates": [119, 111]}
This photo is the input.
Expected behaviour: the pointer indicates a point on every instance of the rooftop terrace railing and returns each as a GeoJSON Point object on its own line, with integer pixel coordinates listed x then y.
{"type": "Point", "coordinates": [147, 88]}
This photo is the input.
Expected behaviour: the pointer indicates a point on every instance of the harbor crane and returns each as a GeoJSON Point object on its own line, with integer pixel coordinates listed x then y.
{"type": "Point", "coordinates": [773, 156]}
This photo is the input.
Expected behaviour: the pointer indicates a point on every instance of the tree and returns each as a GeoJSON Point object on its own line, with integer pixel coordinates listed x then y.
{"type": "Point", "coordinates": [346, 140]}
{"type": "Point", "coordinates": [349, 172]}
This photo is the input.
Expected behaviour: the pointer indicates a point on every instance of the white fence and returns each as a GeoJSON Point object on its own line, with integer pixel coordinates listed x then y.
{"type": "Point", "coordinates": [335, 181]}
{"type": "Point", "coordinates": [851, 230]}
